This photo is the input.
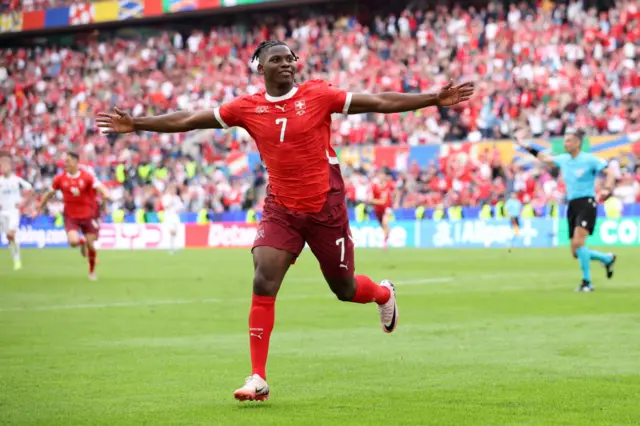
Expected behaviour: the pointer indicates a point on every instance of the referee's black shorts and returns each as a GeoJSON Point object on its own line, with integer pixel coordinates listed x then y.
{"type": "Point", "coordinates": [582, 212]}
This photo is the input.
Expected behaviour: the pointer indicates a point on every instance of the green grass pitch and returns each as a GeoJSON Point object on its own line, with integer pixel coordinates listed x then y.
{"type": "Point", "coordinates": [484, 338]}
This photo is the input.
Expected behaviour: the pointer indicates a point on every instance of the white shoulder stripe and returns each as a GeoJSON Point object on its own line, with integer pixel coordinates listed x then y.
{"type": "Point", "coordinates": [216, 112]}
{"type": "Point", "coordinates": [347, 103]}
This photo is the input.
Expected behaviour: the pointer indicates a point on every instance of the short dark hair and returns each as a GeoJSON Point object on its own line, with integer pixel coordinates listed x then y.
{"type": "Point", "coordinates": [73, 155]}
{"type": "Point", "coordinates": [578, 133]}
{"type": "Point", "coordinates": [268, 44]}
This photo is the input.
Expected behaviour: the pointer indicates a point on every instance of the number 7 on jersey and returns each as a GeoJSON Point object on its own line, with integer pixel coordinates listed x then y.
{"type": "Point", "coordinates": [284, 127]}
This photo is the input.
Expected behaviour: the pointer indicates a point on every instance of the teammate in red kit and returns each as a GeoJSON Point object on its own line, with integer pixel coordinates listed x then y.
{"type": "Point", "coordinates": [382, 200]}
{"type": "Point", "coordinates": [98, 206]}
{"type": "Point", "coordinates": [78, 189]}
{"type": "Point", "coordinates": [306, 195]}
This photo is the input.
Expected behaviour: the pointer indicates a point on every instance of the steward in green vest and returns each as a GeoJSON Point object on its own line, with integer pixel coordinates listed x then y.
{"type": "Point", "coordinates": [117, 216]}
{"type": "Point", "coordinates": [485, 212]}
{"type": "Point", "coordinates": [191, 169]}
{"type": "Point", "coordinates": [438, 213]}
{"type": "Point", "coordinates": [361, 212]}
{"type": "Point", "coordinates": [252, 216]}
{"type": "Point", "coordinates": [527, 211]}
{"type": "Point", "coordinates": [419, 212]}
{"type": "Point", "coordinates": [144, 170]}
{"type": "Point", "coordinates": [121, 175]}
{"type": "Point", "coordinates": [613, 208]}
{"type": "Point", "coordinates": [161, 216]}
{"type": "Point", "coordinates": [59, 220]}
{"type": "Point", "coordinates": [498, 210]}
{"type": "Point", "coordinates": [203, 217]}
{"type": "Point", "coordinates": [140, 216]}
{"type": "Point", "coordinates": [454, 212]}
{"type": "Point", "coordinates": [161, 173]}
{"type": "Point", "coordinates": [553, 210]}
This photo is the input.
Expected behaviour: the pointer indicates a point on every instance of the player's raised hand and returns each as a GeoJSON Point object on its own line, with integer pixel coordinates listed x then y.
{"type": "Point", "coordinates": [451, 95]}
{"type": "Point", "coordinates": [118, 122]}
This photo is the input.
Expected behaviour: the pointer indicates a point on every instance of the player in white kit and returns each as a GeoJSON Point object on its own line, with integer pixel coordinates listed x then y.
{"type": "Point", "coordinates": [173, 206]}
{"type": "Point", "coordinates": [11, 187]}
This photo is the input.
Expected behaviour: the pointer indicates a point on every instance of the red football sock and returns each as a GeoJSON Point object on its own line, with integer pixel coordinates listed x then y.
{"type": "Point", "coordinates": [367, 291]}
{"type": "Point", "coordinates": [82, 241]}
{"type": "Point", "coordinates": [261, 319]}
{"type": "Point", "coordinates": [92, 260]}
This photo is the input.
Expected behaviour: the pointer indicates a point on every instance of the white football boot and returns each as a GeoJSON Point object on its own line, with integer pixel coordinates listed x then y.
{"type": "Point", "coordinates": [255, 389]}
{"type": "Point", "coordinates": [389, 311]}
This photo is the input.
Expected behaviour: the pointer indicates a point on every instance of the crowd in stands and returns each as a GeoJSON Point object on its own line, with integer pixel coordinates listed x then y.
{"type": "Point", "coordinates": [545, 68]}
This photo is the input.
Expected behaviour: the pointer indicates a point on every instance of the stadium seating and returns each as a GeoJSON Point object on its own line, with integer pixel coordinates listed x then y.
{"type": "Point", "coordinates": [546, 69]}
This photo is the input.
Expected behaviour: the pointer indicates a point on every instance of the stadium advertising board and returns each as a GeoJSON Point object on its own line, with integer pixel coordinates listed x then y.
{"type": "Point", "coordinates": [134, 236]}
{"type": "Point", "coordinates": [370, 235]}
{"type": "Point", "coordinates": [38, 237]}
{"type": "Point", "coordinates": [609, 232]}
{"type": "Point", "coordinates": [537, 232]}
{"type": "Point", "coordinates": [126, 236]}
{"type": "Point", "coordinates": [485, 233]}
{"type": "Point", "coordinates": [220, 235]}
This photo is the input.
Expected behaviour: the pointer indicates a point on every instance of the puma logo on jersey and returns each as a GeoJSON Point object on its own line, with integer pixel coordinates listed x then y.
{"type": "Point", "coordinates": [281, 107]}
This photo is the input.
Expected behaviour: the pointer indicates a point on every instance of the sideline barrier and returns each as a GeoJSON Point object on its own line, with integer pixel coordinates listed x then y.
{"type": "Point", "coordinates": [112, 237]}
{"type": "Point", "coordinates": [536, 232]}
{"type": "Point", "coordinates": [609, 232]}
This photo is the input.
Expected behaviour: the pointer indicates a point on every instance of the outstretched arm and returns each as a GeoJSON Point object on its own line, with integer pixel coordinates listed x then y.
{"type": "Point", "coordinates": [542, 156]}
{"type": "Point", "coordinates": [180, 121]}
{"type": "Point", "coordinates": [44, 201]}
{"type": "Point", "coordinates": [609, 183]}
{"type": "Point", "coordinates": [102, 190]}
{"type": "Point", "coordinates": [390, 102]}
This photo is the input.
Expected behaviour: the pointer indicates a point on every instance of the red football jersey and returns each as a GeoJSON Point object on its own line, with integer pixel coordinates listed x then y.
{"type": "Point", "coordinates": [292, 133]}
{"type": "Point", "coordinates": [383, 192]}
{"type": "Point", "coordinates": [95, 195]}
{"type": "Point", "coordinates": [78, 194]}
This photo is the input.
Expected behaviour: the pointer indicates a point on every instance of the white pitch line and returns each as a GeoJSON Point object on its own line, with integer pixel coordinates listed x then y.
{"type": "Point", "coordinates": [138, 303]}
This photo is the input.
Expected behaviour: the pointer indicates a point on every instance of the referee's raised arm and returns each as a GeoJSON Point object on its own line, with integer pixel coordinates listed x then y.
{"type": "Point", "coordinates": [542, 156]}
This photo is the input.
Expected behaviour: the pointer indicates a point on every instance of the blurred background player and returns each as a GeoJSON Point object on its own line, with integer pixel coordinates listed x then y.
{"type": "Point", "coordinates": [579, 170]}
{"type": "Point", "coordinates": [11, 188]}
{"type": "Point", "coordinates": [307, 197]}
{"type": "Point", "coordinates": [78, 189]}
{"type": "Point", "coordinates": [99, 206]}
{"type": "Point", "coordinates": [382, 193]}
{"type": "Point", "coordinates": [513, 207]}
{"type": "Point", "coordinates": [173, 206]}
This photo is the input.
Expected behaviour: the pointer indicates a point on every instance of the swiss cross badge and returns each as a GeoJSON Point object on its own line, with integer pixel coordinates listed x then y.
{"type": "Point", "coordinates": [300, 107]}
